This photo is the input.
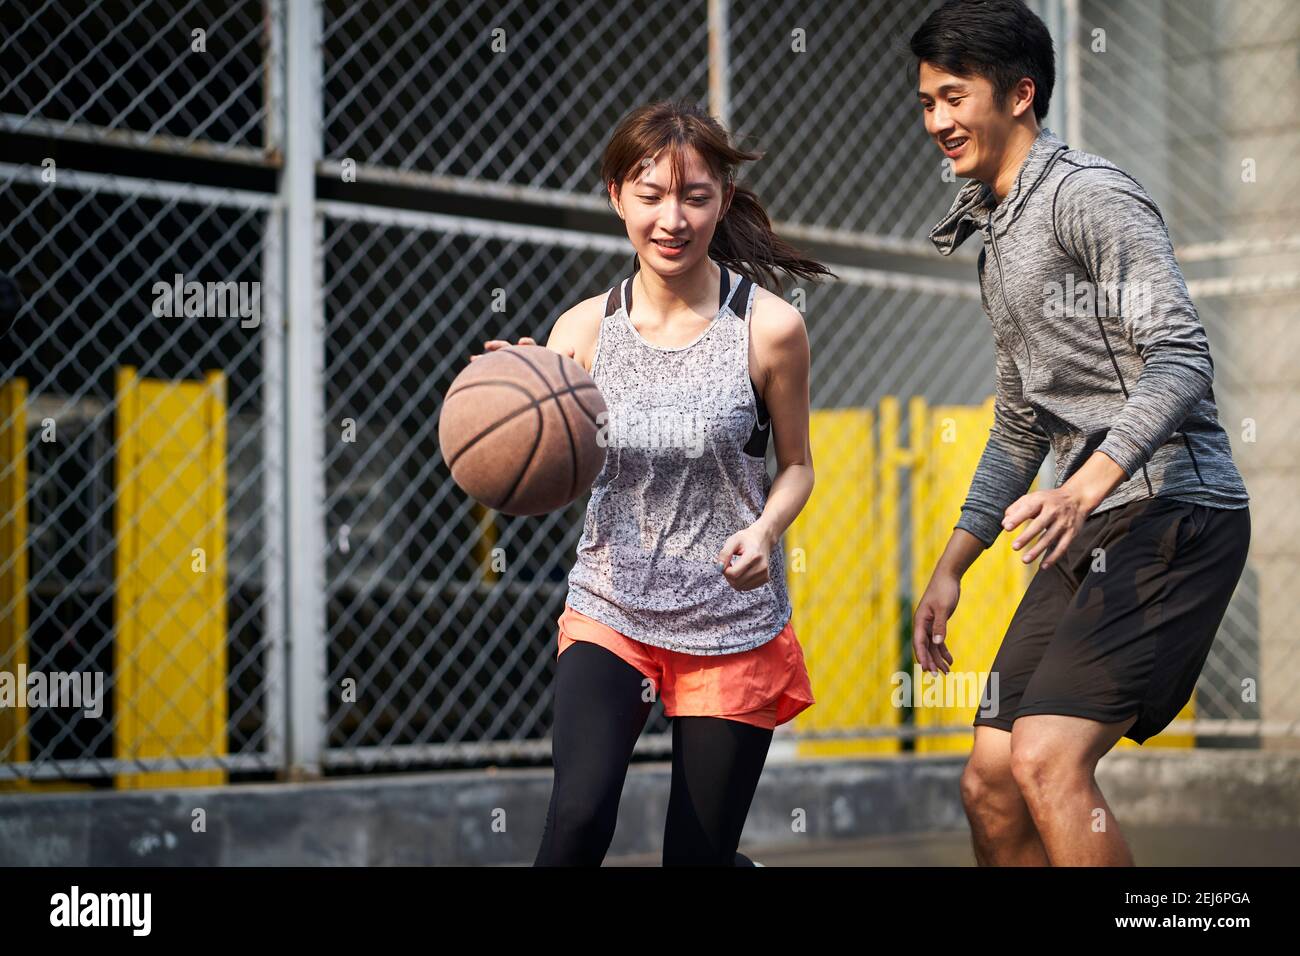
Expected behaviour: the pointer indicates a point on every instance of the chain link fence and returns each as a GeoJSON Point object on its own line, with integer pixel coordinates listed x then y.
{"type": "Point", "coordinates": [437, 619]}
{"type": "Point", "coordinates": [87, 252]}
{"type": "Point", "coordinates": [166, 75]}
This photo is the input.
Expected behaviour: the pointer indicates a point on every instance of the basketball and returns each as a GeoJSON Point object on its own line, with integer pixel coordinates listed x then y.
{"type": "Point", "coordinates": [519, 430]}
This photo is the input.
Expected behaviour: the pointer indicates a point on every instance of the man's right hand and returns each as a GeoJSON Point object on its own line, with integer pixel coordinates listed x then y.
{"type": "Point", "coordinates": [930, 625]}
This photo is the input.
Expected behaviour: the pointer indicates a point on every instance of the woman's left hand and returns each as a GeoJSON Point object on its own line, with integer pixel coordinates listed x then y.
{"type": "Point", "coordinates": [751, 547]}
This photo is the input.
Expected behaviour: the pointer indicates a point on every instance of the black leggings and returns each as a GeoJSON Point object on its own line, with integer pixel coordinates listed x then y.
{"type": "Point", "coordinates": [599, 713]}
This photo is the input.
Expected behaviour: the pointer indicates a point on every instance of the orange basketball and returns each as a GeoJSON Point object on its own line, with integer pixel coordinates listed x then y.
{"type": "Point", "coordinates": [519, 428]}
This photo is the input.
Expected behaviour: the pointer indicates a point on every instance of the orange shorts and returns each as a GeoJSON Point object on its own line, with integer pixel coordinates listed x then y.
{"type": "Point", "coordinates": [765, 686]}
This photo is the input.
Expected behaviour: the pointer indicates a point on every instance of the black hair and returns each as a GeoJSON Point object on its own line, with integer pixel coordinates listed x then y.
{"type": "Point", "coordinates": [1000, 40]}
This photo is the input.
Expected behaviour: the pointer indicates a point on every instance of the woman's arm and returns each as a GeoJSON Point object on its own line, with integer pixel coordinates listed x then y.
{"type": "Point", "coordinates": [780, 344]}
{"type": "Point", "coordinates": [573, 334]}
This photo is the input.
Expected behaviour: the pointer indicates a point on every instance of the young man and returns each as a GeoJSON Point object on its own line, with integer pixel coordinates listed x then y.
{"type": "Point", "coordinates": [1102, 357]}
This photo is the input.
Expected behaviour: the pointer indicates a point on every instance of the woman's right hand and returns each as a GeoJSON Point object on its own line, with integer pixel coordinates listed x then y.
{"type": "Point", "coordinates": [491, 345]}
{"type": "Point", "coordinates": [930, 624]}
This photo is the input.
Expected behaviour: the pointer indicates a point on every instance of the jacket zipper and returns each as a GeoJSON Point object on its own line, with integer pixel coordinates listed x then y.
{"type": "Point", "coordinates": [1006, 303]}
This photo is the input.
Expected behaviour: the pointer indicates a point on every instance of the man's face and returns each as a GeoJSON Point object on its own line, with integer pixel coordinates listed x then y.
{"type": "Point", "coordinates": [961, 116]}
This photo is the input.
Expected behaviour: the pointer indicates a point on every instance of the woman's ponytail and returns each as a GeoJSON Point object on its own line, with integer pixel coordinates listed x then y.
{"type": "Point", "coordinates": [744, 240]}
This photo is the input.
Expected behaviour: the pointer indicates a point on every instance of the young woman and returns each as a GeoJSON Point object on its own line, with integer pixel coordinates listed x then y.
{"type": "Point", "coordinates": [678, 589]}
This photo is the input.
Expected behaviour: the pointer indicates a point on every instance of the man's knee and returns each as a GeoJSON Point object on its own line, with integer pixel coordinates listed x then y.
{"type": "Point", "coordinates": [1043, 767]}
{"type": "Point", "coordinates": [986, 784]}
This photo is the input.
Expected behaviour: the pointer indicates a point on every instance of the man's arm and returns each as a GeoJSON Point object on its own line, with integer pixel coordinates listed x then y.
{"type": "Point", "coordinates": [1112, 228]}
{"type": "Point", "coordinates": [1015, 451]}
{"type": "Point", "coordinates": [1012, 456]}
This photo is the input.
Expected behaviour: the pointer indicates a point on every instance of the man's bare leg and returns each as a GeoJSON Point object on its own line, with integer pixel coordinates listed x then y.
{"type": "Point", "coordinates": [1053, 759]}
{"type": "Point", "coordinates": [1002, 827]}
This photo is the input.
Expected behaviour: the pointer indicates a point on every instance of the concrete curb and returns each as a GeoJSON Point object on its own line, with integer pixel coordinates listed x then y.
{"type": "Point", "coordinates": [496, 816]}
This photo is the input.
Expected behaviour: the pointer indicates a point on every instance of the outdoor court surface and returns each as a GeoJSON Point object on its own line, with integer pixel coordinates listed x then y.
{"type": "Point", "coordinates": [1152, 846]}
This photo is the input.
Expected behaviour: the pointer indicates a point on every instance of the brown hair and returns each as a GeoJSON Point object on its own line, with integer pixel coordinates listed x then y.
{"type": "Point", "coordinates": [744, 238]}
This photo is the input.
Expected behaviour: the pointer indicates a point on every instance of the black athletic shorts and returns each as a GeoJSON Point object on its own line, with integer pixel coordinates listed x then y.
{"type": "Point", "coordinates": [1122, 623]}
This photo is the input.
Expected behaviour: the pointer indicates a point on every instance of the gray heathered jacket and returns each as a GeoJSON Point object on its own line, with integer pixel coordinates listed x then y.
{"type": "Point", "coordinates": [1127, 373]}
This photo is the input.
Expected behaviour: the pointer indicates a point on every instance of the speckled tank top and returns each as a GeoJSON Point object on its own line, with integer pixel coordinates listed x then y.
{"type": "Point", "coordinates": [685, 468]}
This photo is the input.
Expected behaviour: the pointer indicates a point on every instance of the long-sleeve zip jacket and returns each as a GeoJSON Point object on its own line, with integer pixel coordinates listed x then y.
{"type": "Point", "coordinates": [1098, 345]}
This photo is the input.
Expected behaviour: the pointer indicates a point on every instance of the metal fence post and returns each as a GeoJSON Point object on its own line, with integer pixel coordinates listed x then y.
{"type": "Point", "coordinates": [305, 360]}
{"type": "Point", "coordinates": [719, 62]}
{"type": "Point", "coordinates": [274, 406]}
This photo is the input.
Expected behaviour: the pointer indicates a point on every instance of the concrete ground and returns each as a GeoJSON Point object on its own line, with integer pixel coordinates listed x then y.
{"type": "Point", "coordinates": [1152, 846]}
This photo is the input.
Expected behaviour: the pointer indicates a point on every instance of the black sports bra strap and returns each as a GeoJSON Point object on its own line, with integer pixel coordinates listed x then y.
{"type": "Point", "coordinates": [724, 286]}
{"type": "Point", "coordinates": [741, 294]}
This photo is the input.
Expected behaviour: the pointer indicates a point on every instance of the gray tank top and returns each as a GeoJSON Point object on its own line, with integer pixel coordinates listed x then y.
{"type": "Point", "coordinates": [685, 468]}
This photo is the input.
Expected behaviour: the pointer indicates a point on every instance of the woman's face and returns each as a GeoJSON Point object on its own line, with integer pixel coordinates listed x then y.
{"type": "Point", "coordinates": [670, 224]}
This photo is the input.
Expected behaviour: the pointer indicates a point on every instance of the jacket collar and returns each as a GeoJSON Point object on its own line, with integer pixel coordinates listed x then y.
{"type": "Point", "coordinates": [975, 203]}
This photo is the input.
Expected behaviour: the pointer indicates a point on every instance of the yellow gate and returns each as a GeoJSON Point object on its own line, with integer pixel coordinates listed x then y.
{"type": "Point", "coordinates": [844, 561]}
{"type": "Point", "coordinates": [947, 443]}
{"type": "Point", "coordinates": [170, 601]}
{"type": "Point", "coordinates": [841, 553]}
{"type": "Point", "coordinates": [13, 568]}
